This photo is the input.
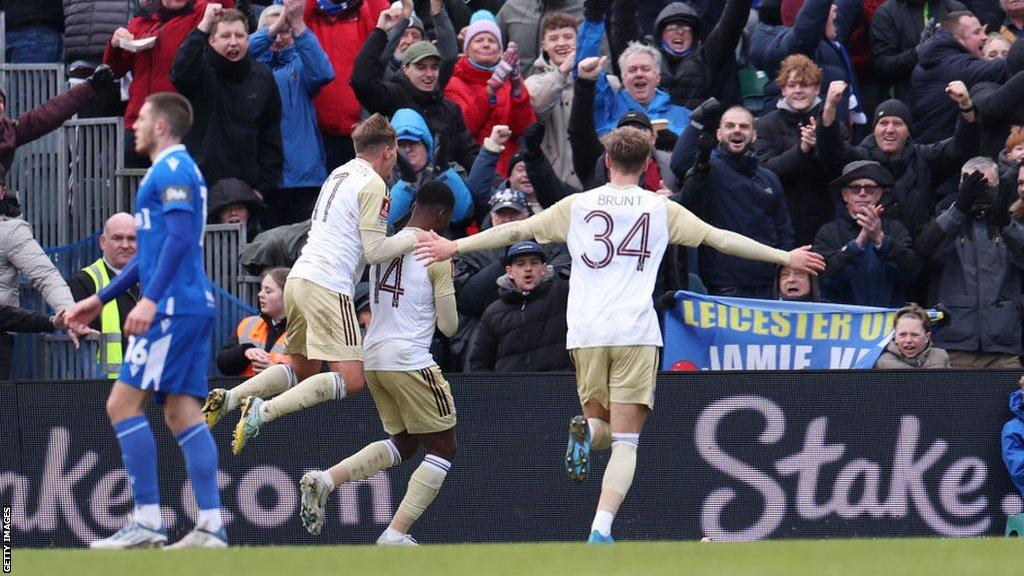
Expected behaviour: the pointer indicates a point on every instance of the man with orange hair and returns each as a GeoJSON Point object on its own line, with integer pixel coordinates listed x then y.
{"type": "Point", "coordinates": [787, 145]}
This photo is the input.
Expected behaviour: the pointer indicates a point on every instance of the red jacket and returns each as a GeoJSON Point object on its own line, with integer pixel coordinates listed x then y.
{"type": "Point", "coordinates": [337, 109]}
{"type": "Point", "coordinates": [151, 68]}
{"type": "Point", "coordinates": [40, 120]}
{"type": "Point", "coordinates": [468, 89]}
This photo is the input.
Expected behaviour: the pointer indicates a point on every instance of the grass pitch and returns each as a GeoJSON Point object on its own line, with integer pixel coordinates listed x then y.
{"type": "Point", "coordinates": [904, 557]}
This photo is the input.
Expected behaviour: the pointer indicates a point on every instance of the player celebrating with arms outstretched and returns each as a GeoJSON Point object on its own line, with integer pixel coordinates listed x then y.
{"type": "Point", "coordinates": [170, 330]}
{"type": "Point", "coordinates": [413, 399]}
{"type": "Point", "coordinates": [348, 230]}
{"type": "Point", "coordinates": [617, 235]}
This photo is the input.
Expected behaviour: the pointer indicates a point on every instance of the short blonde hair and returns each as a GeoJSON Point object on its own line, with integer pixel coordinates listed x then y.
{"type": "Point", "coordinates": [373, 133]}
{"type": "Point", "coordinates": [628, 148]}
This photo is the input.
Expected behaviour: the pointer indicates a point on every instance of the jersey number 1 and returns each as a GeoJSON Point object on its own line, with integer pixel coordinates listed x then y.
{"type": "Point", "coordinates": [381, 285]}
{"type": "Point", "coordinates": [642, 226]}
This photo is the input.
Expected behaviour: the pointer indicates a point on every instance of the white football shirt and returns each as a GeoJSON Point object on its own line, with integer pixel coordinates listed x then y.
{"type": "Point", "coordinates": [353, 197]}
{"type": "Point", "coordinates": [402, 295]}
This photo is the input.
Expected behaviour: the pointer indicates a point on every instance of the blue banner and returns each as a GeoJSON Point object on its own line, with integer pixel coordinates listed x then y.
{"type": "Point", "coordinates": [717, 333]}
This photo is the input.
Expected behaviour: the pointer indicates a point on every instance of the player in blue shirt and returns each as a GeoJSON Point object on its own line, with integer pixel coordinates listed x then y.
{"type": "Point", "coordinates": [169, 329]}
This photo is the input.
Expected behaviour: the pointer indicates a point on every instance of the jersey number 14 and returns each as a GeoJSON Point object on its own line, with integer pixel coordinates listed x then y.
{"type": "Point", "coordinates": [382, 283]}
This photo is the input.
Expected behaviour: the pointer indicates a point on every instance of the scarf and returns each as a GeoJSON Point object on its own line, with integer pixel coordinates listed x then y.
{"type": "Point", "coordinates": [668, 48]}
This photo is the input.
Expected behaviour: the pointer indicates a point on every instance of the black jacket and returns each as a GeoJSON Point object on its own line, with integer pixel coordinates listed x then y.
{"type": "Point", "coordinates": [942, 60]}
{"type": "Point", "coordinates": [523, 331]}
{"type": "Point", "coordinates": [19, 13]}
{"type": "Point", "coordinates": [917, 171]}
{"type": "Point", "coordinates": [709, 69]}
{"type": "Point", "coordinates": [88, 25]}
{"type": "Point", "coordinates": [236, 130]}
{"type": "Point", "coordinates": [452, 139]}
{"type": "Point", "coordinates": [895, 32]}
{"type": "Point", "coordinates": [804, 177]}
{"type": "Point", "coordinates": [1002, 106]}
{"type": "Point", "coordinates": [867, 276]}
{"type": "Point", "coordinates": [82, 287]}
{"type": "Point", "coordinates": [14, 319]}
{"type": "Point", "coordinates": [231, 360]}
{"type": "Point", "coordinates": [739, 195]}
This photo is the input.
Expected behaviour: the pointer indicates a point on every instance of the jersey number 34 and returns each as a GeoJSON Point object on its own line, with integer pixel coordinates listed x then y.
{"type": "Point", "coordinates": [633, 244]}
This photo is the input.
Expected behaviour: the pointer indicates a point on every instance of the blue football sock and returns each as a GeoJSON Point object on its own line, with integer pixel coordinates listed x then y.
{"type": "Point", "coordinates": [201, 457]}
{"type": "Point", "coordinates": [138, 451]}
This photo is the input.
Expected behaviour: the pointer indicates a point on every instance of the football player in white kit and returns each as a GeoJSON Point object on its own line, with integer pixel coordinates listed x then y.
{"type": "Point", "coordinates": [617, 235]}
{"type": "Point", "coordinates": [407, 299]}
{"type": "Point", "coordinates": [348, 230]}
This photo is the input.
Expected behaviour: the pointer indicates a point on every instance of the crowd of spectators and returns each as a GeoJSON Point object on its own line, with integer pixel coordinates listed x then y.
{"type": "Point", "coordinates": [888, 136]}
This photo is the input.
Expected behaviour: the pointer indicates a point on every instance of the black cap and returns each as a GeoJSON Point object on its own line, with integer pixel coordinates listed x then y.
{"type": "Point", "coordinates": [863, 169]}
{"type": "Point", "coordinates": [635, 118]}
{"type": "Point", "coordinates": [526, 247]}
{"type": "Point", "coordinates": [518, 157]}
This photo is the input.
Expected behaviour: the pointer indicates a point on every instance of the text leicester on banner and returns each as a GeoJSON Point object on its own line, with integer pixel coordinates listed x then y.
{"type": "Point", "coordinates": [717, 333]}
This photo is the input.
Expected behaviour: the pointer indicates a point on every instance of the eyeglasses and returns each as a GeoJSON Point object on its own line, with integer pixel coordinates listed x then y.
{"type": "Point", "coordinates": [863, 189]}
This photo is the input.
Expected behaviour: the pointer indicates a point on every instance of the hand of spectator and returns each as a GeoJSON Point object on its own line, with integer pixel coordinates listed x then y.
{"type": "Point", "coordinates": [389, 18]}
{"type": "Point", "coordinates": [565, 68]}
{"type": "Point", "coordinates": [706, 142]}
{"type": "Point", "coordinates": [499, 77]}
{"type": "Point", "coordinates": [928, 31]}
{"type": "Point", "coordinates": [590, 68]}
{"type": "Point", "coordinates": [706, 116]}
{"type": "Point", "coordinates": [140, 318]}
{"type": "Point", "coordinates": [121, 34]}
{"type": "Point", "coordinates": [437, 249]}
{"type": "Point", "coordinates": [213, 11]}
{"type": "Point", "coordinates": [836, 89]}
{"type": "Point", "coordinates": [101, 77]}
{"type": "Point", "coordinates": [407, 9]}
{"type": "Point", "coordinates": [516, 74]}
{"type": "Point", "coordinates": [59, 322]}
{"type": "Point", "coordinates": [971, 186]}
{"type": "Point", "coordinates": [82, 313]}
{"type": "Point", "coordinates": [832, 98]}
{"type": "Point", "coordinates": [279, 26]}
{"type": "Point", "coordinates": [259, 357]}
{"type": "Point", "coordinates": [533, 137]}
{"type": "Point", "coordinates": [871, 225]}
{"type": "Point", "coordinates": [662, 189]}
{"type": "Point", "coordinates": [808, 135]}
{"type": "Point", "coordinates": [595, 10]}
{"type": "Point", "coordinates": [496, 141]}
{"type": "Point", "coordinates": [435, 7]}
{"type": "Point", "coordinates": [957, 91]}
{"type": "Point", "coordinates": [294, 11]}
{"type": "Point", "coordinates": [802, 259]}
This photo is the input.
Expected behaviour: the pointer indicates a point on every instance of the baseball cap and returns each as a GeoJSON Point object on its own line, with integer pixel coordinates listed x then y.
{"type": "Point", "coordinates": [509, 198]}
{"type": "Point", "coordinates": [634, 118]}
{"type": "Point", "coordinates": [526, 247]}
{"type": "Point", "coordinates": [419, 51]}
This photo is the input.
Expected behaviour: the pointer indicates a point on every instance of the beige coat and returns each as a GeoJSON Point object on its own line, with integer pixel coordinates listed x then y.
{"type": "Point", "coordinates": [551, 98]}
{"type": "Point", "coordinates": [21, 254]}
{"type": "Point", "coordinates": [932, 357]}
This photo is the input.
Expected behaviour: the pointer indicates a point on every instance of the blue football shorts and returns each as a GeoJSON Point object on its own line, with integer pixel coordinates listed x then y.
{"type": "Point", "coordinates": [171, 357]}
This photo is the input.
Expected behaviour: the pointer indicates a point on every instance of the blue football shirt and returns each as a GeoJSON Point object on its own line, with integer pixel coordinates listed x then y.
{"type": "Point", "coordinates": [174, 182]}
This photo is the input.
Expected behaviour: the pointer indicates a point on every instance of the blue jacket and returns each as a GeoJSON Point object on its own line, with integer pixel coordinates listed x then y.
{"type": "Point", "coordinates": [610, 104]}
{"type": "Point", "coordinates": [942, 59]}
{"type": "Point", "coordinates": [737, 194]}
{"type": "Point", "coordinates": [1013, 441]}
{"type": "Point", "coordinates": [410, 125]}
{"type": "Point", "coordinates": [300, 71]}
{"type": "Point", "coordinates": [771, 44]}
